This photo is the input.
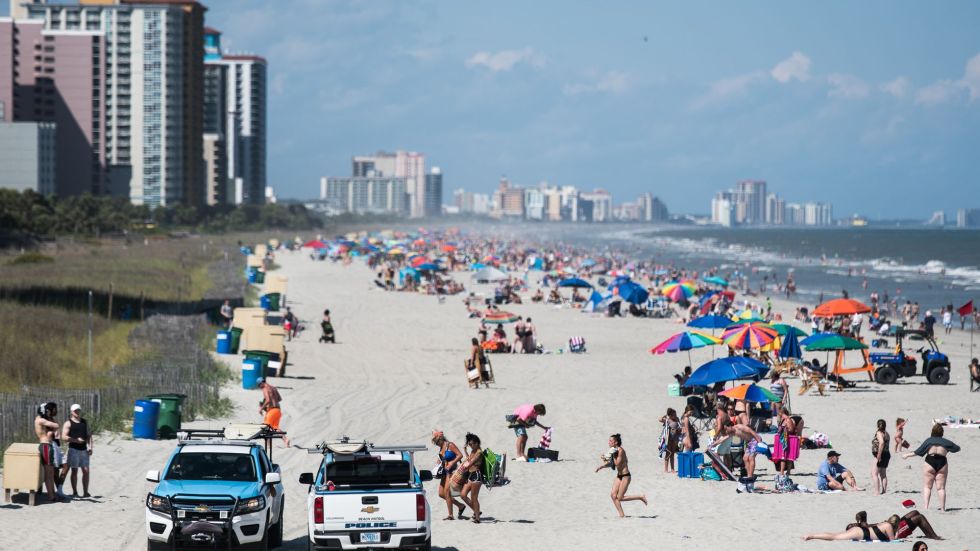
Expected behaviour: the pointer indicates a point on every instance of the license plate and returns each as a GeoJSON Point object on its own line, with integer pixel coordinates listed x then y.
{"type": "Point", "coordinates": [370, 537]}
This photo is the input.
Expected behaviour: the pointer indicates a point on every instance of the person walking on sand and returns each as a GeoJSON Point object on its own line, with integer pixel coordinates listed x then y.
{"type": "Point", "coordinates": [881, 455]}
{"type": "Point", "coordinates": [44, 427]}
{"type": "Point", "coordinates": [526, 416]}
{"type": "Point", "coordinates": [227, 313]}
{"type": "Point", "coordinates": [271, 406]}
{"type": "Point", "coordinates": [472, 470]}
{"type": "Point", "coordinates": [75, 431]}
{"type": "Point", "coordinates": [936, 468]}
{"type": "Point", "coordinates": [617, 460]}
{"type": "Point", "coordinates": [449, 460]}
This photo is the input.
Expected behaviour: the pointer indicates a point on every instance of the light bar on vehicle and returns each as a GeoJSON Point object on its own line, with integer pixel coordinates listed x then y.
{"type": "Point", "coordinates": [346, 446]}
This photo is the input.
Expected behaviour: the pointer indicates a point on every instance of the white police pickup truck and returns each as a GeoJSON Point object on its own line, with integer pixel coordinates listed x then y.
{"type": "Point", "coordinates": [221, 491]}
{"type": "Point", "coordinates": [365, 496]}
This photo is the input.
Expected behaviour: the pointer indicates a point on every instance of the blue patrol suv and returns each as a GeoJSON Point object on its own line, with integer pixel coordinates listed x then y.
{"type": "Point", "coordinates": [219, 492]}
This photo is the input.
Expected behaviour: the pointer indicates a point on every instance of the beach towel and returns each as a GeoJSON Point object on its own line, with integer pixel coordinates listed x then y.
{"type": "Point", "coordinates": [545, 441]}
{"type": "Point", "coordinates": [664, 435]}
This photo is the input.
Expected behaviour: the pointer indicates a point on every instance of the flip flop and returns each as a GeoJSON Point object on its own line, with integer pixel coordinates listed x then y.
{"type": "Point", "coordinates": [460, 516]}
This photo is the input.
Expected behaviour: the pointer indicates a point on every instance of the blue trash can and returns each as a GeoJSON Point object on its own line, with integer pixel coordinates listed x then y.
{"type": "Point", "coordinates": [145, 416]}
{"type": "Point", "coordinates": [223, 342]}
{"type": "Point", "coordinates": [264, 302]}
{"type": "Point", "coordinates": [252, 273]}
{"type": "Point", "coordinates": [251, 373]}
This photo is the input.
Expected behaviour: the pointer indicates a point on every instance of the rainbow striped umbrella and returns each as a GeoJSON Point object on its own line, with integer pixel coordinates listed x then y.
{"type": "Point", "coordinates": [753, 335]}
{"type": "Point", "coordinates": [685, 341]}
{"type": "Point", "coordinates": [678, 291]}
{"type": "Point", "coordinates": [499, 316]}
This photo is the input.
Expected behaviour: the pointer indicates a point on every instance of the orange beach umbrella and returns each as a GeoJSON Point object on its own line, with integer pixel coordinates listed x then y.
{"type": "Point", "coordinates": [841, 307]}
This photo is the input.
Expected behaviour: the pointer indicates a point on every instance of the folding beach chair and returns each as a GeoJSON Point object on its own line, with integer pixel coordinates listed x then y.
{"type": "Point", "coordinates": [576, 345]}
{"type": "Point", "coordinates": [811, 379]}
{"type": "Point", "coordinates": [494, 469]}
{"type": "Point", "coordinates": [702, 420]}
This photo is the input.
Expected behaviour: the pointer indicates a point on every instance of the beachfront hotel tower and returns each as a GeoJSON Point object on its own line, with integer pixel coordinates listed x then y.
{"type": "Point", "coordinates": [152, 73]}
{"type": "Point", "coordinates": [409, 165]}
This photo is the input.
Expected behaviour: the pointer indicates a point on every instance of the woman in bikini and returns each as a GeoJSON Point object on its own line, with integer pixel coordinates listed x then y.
{"type": "Point", "coordinates": [935, 449]}
{"type": "Point", "coordinates": [672, 428]}
{"type": "Point", "coordinates": [688, 432]}
{"type": "Point", "coordinates": [620, 463]}
{"type": "Point", "coordinates": [883, 531]}
{"type": "Point", "coordinates": [473, 475]}
{"type": "Point", "coordinates": [449, 458]}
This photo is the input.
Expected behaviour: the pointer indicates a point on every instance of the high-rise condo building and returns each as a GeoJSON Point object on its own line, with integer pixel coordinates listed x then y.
{"type": "Point", "coordinates": [433, 192]}
{"type": "Point", "coordinates": [55, 77]}
{"type": "Point", "coordinates": [364, 194]}
{"type": "Point", "coordinates": [400, 164]}
{"type": "Point", "coordinates": [153, 73]}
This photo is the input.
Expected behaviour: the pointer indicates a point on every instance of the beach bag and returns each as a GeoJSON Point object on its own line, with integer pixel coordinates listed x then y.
{"type": "Point", "coordinates": [458, 478]}
{"type": "Point", "coordinates": [708, 472]}
{"type": "Point", "coordinates": [874, 445]}
{"type": "Point", "coordinates": [513, 421]}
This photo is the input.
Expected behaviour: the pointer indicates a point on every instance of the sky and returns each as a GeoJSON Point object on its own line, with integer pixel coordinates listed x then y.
{"type": "Point", "coordinates": [873, 106]}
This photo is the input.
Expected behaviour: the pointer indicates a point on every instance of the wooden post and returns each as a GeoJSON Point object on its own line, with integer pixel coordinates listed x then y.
{"type": "Point", "coordinates": [109, 309]}
{"type": "Point", "coordinates": [141, 306]}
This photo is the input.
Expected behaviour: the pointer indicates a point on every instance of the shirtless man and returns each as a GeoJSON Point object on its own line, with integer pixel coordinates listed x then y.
{"type": "Point", "coordinates": [45, 427]}
{"type": "Point", "coordinates": [618, 461]}
{"type": "Point", "coordinates": [270, 406]}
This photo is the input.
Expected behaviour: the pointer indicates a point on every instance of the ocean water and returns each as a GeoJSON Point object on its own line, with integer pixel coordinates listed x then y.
{"type": "Point", "coordinates": [931, 266]}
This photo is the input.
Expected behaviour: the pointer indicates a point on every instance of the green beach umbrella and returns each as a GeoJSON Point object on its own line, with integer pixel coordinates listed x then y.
{"type": "Point", "coordinates": [834, 342]}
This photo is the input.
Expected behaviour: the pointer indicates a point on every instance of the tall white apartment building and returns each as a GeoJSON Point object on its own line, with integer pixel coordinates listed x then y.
{"type": "Point", "coordinates": [400, 164]}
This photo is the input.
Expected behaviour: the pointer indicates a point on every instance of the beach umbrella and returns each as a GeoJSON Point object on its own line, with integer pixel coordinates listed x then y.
{"type": "Point", "coordinates": [632, 293]}
{"type": "Point", "coordinates": [724, 369]}
{"type": "Point", "coordinates": [489, 274]}
{"type": "Point", "coordinates": [710, 322]}
{"type": "Point", "coordinates": [587, 263]}
{"type": "Point", "coordinates": [784, 329]}
{"type": "Point", "coordinates": [678, 291]}
{"type": "Point", "coordinates": [791, 344]}
{"type": "Point", "coordinates": [575, 282]}
{"type": "Point", "coordinates": [750, 393]}
{"type": "Point", "coordinates": [685, 341]}
{"type": "Point", "coordinates": [477, 266]}
{"type": "Point", "coordinates": [834, 342]}
{"type": "Point", "coordinates": [815, 337]}
{"type": "Point", "coordinates": [749, 336]}
{"type": "Point", "coordinates": [499, 316]}
{"type": "Point", "coordinates": [316, 244]}
{"type": "Point", "coordinates": [428, 267]}
{"type": "Point", "coordinates": [714, 280]}
{"type": "Point", "coordinates": [841, 307]}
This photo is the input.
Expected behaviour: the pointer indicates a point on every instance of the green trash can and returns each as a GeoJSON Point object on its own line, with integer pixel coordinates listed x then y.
{"type": "Point", "coordinates": [273, 301]}
{"type": "Point", "coordinates": [236, 339]}
{"type": "Point", "coordinates": [260, 277]}
{"type": "Point", "coordinates": [168, 423]}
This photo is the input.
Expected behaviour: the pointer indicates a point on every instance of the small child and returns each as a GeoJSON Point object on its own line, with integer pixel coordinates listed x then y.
{"type": "Point", "coordinates": [900, 442]}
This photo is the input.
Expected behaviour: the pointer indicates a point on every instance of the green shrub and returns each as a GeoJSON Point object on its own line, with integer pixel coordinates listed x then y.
{"type": "Point", "coordinates": [31, 258]}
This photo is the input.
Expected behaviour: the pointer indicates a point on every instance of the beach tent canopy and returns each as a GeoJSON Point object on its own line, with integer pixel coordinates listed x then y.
{"type": "Point", "coordinates": [841, 307]}
{"type": "Point", "coordinates": [490, 273]}
{"type": "Point", "coordinates": [725, 369]}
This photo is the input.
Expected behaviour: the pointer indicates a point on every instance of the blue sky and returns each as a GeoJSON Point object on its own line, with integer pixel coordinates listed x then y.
{"type": "Point", "coordinates": [871, 105]}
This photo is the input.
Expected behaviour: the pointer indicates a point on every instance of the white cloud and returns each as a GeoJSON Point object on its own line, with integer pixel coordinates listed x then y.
{"type": "Point", "coordinates": [505, 60]}
{"type": "Point", "coordinates": [847, 87]}
{"type": "Point", "coordinates": [971, 78]}
{"type": "Point", "coordinates": [795, 66]}
{"type": "Point", "coordinates": [885, 133]}
{"type": "Point", "coordinates": [938, 92]}
{"type": "Point", "coordinates": [729, 87]}
{"type": "Point", "coordinates": [612, 82]}
{"type": "Point", "coordinates": [898, 87]}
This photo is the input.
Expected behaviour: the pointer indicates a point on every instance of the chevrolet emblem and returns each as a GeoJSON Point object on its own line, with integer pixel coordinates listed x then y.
{"type": "Point", "coordinates": [202, 509]}
{"type": "Point", "coordinates": [370, 509]}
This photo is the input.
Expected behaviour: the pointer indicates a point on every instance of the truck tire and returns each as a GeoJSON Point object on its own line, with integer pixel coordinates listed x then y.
{"type": "Point", "coordinates": [275, 534]}
{"type": "Point", "coordinates": [938, 376]}
{"type": "Point", "coordinates": [156, 546]}
{"type": "Point", "coordinates": [886, 375]}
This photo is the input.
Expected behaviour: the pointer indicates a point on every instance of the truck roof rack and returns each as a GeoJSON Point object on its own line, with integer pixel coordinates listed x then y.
{"type": "Point", "coordinates": [345, 446]}
{"type": "Point", "coordinates": [234, 434]}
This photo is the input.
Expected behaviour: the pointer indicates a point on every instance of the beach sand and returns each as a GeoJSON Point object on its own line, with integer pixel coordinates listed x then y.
{"type": "Point", "coordinates": [396, 374]}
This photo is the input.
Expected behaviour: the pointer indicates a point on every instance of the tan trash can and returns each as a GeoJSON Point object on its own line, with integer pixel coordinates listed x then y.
{"type": "Point", "coordinates": [22, 471]}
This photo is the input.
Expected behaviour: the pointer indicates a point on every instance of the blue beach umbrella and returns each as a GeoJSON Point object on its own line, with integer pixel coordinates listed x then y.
{"type": "Point", "coordinates": [575, 282]}
{"type": "Point", "coordinates": [633, 293]}
{"type": "Point", "coordinates": [791, 344]}
{"type": "Point", "coordinates": [724, 369]}
{"type": "Point", "coordinates": [714, 280]}
{"type": "Point", "coordinates": [710, 322]}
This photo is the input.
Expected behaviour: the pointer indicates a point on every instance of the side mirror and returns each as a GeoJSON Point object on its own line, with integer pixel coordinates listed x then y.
{"type": "Point", "coordinates": [273, 478]}
{"type": "Point", "coordinates": [153, 476]}
{"type": "Point", "coordinates": [306, 478]}
{"type": "Point", "coordinates": [425, 475]}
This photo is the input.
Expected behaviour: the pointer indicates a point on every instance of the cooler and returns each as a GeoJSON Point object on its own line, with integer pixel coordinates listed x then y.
{"type": "Point", "coordinates": [688, 464]}
{"type": "Point", "coordinates": [673, 389]}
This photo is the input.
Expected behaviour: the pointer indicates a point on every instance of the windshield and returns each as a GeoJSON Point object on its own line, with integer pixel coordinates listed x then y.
{"type": "Point", "coordinates": [212, 466]}
{"type": "Point", "coordinates": [368, 471]}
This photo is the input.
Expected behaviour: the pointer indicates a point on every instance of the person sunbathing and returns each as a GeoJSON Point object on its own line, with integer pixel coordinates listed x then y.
{"type": "Point", "coordinates": [906, 525]}
{"type": "Point", "coordinates": [882, 531]}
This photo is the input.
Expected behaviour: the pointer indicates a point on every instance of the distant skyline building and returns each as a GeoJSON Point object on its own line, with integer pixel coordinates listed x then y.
{"type": "Point", "coordinates": [400, 164]}
{"type": "Point", "coordinates": [27, 155]}
{"type": "Point", "coordinates": [750, 204]}
{"type": "Point", "coordinates": [365, 194]}
{"type": "Point", "coordinates": [968, 218]}
{"type": "Point", "coordinates": [55, 76]}
{"type": "Point", "coordinates": [433, 192]}
{"type": "Point", "coordinates": [153, 104]}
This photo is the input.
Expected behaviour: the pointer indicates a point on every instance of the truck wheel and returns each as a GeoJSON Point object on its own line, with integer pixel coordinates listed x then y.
{"type": "Point", "coordinates": [886, 375]}
{"type": "Point", "coordinates": [939, 376]}
{"type": "Point", "coordinates": [156, 546]}
{"type": "Point", "coordinates": [275, 536]}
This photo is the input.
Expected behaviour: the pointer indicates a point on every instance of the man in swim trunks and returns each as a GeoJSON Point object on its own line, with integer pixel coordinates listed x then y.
{"type": "Point", "coordinates": [270, 406]}
{"type": "Point", "coordinates": [44, 427]}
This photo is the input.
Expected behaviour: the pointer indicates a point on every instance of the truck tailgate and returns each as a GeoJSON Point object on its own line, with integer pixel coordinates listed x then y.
{"type": "Point", "coordinates": [371, 510]}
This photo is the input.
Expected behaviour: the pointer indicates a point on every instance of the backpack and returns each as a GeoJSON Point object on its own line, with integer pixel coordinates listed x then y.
{"type": "Point", "coordinates": [708, 472]}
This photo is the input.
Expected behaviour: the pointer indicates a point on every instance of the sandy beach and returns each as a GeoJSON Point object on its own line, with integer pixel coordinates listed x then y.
{"type": "Point", "coordinates": [396, 374]}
